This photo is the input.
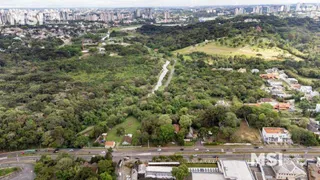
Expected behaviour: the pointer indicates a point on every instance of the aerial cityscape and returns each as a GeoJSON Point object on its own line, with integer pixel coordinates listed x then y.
{"type": "Point", "coordinates": [151, 90]}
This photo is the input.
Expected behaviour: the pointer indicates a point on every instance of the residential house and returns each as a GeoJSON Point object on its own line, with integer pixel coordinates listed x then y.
{"type": "Point", "coordinates": [318, 108]}
{"type": "Point", "coordinates": [127, 140]}
{"type": "Point", "coordinates": [109, 144]}
{"type": "Point", "coordinates": [190, 134]}
{"type": "Point", "coordinates": [274, 83]}
{"type": "Point", "coordinates": [289, 170]}
{"type": "Point", "coordinates": [255, 71]}
{"type": "Point", "coordinates": [242, 70]}
{"type": "Point", "coordinates": [296, 86]}
{"type": "Point", "coordinates": [222, 103]}
{"type": "Point", "coordinates": [276, 135]}
{"type": "Point", "coordinates": [272, 70]}
{"type": "Point", "coordinates": [282, 106]}
{"type": "Point", "coordinates": [292, 81]}
{"type": "Point", "coordinates": [305, 89]}
{"type": "Point", "coordinates": [104, 135]}
{"type": "Point", "coordinates": [269, 76]}
{"type": "Point", "coordinates": [176, 128]}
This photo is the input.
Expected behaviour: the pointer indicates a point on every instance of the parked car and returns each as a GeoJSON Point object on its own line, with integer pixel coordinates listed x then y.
{"type": "Point", "coordinates": [159, 149]}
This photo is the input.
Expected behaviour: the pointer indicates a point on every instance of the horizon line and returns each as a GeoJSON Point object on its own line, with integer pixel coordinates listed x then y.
{"type": "Point", "coordinates": [226, 5]}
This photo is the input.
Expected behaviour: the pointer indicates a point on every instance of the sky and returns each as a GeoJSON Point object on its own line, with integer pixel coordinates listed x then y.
{"type": "Point", "coordinates": [136, 3]}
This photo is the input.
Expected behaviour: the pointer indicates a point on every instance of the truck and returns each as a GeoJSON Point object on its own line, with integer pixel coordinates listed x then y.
{"type": "Point", "coordinates": [29, 151]}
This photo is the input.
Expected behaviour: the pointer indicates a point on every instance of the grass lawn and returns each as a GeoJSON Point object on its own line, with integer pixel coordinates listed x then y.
{"type": "Point", "coordinates": [131, 125]}
{"type": "Point", "coordinates": [247, 134]}
{"type": "Point", "coordinates": [7, 171]}
{"type": "Point", "coordinates": [214, 49]}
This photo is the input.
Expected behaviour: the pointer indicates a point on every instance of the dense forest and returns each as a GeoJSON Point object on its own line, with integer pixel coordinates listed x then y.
{"type": "Point", "coordinates": [49, 95]}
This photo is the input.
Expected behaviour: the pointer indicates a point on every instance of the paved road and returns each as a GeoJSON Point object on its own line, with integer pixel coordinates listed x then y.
{"type": "Point", "coordinates": [146, 154]}
{"type": "Point", "coordinates": [27, 172]}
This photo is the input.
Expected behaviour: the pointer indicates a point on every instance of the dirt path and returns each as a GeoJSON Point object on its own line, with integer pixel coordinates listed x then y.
{"type": "Point", "coordinates": [171, 74]}
{"type": "Point", "coordinates": [164, 72]}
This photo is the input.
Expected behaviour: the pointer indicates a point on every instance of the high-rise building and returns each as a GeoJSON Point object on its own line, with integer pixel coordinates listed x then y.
{"type": "Point", "coordinates": [298, 7]}
{"type": "Point", "coordinates": [166, 16]}
{"type": "Point", "coordinates": [239, 11]}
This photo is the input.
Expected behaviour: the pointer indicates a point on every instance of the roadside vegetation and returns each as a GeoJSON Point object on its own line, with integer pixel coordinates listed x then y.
{"type": "Point", "coordinates": [7, 171]}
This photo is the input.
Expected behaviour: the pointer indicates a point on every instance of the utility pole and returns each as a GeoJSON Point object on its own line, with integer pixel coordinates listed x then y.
{"type": "Point", "coordinates": [17, 157]}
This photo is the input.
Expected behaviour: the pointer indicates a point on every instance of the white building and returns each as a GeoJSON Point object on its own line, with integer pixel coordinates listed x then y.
{"type": "Point", "coordinates": [235, 169]}
{"type": "Point", "coordinates": [305, 89]}
{"type": "Point", "coordinates": [159, 172]}
{"type": "Point", "coordinates": [318, 108]}
{"type": "Point", "coordinates": [289, 171]}
{"type": "Point", "coordinates": [275, 135]}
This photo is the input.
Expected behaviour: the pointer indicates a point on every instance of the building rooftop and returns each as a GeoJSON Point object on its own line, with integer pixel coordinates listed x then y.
{"type": "Point", "coordinates": [163, 163]}
{"type": "Point", "coordinates": [235, 169]}
{"type": "Point", "coordinates": [207, 176]}
{"type": "Point", "coordinates": [275, 130]}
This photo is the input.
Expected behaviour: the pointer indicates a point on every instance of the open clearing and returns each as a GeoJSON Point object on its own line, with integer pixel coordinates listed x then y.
{"type": "Point", "coordinates": [247, 134]}
{"type": "Point", "coordinates": [130, 125]}
{"type": "Point", "coordinates": [214, 49]}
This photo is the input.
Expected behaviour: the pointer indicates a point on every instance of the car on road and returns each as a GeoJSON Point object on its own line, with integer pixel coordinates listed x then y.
{"type": "Point", "coordinates": [196, 149]}
{"type": "Point", "coordinates": [103, 152]}
{"type": "Point", "coordinates": [195, 155]}
{"type": "Point", "coordinates": [215, 156]}
{"type": "Point", "coordinates": [309, 147]}
{"type": "Point", "coordinates": [207, 150]}
{"type": "Point", "coordinates": [181, 149]}
{"type": "Point", "coordinates": [56, 150]}
{"type": "Point", "coordinates": [126, 158]}
{"type": "Point", "coordinates": [159, 150]}
{"type": "Point", "coordinates": [71, 150]}
{"type": "Point", "coordinates": [284, 150]}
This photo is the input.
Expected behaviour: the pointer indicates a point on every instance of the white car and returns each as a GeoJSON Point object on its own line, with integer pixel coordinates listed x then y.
{"type": "Point", "coordinates": [103, 152]}
{"type": "Point", "coordinates": [159, 150]}
{"type": "Point", "coordinates": [70, 150]}
{"type": "Point", "coordinates": [207, 150]}
{"type": "Point", "coordinates": [196, 149]}
{"type": "Point", "coordinates": [195, 155]}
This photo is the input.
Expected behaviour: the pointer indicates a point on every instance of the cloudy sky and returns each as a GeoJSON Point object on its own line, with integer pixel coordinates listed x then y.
{"type": "Point", "coordinates": [138, 3]}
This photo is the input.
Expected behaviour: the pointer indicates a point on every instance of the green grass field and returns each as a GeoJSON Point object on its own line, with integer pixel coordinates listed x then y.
{"type": "Point", "coordinates": [214, 49]}
{"type": "Point", "coordinates": [131, 125]}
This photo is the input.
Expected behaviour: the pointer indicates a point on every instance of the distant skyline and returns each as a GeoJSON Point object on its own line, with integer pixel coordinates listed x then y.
{"type": "Point", "coordinates": [136, 3]}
